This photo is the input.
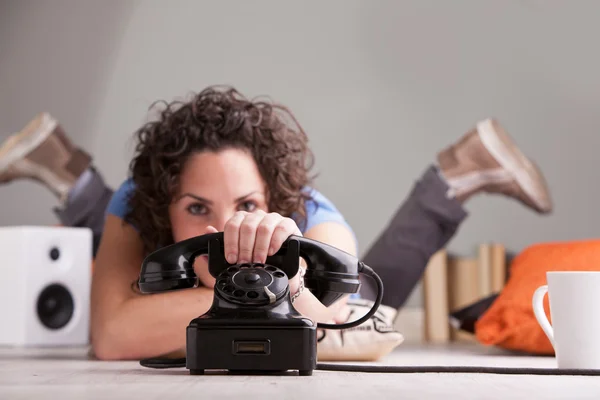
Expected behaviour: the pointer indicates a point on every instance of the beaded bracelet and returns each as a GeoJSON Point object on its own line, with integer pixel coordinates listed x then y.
{"type": "Point", "coordinates": [301, 287]}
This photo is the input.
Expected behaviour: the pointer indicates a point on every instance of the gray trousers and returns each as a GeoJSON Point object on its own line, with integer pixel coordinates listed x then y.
{"type": "Point", "coordinates": [422, 225]}
{"type": "Point", "coordinates": [87, 207]}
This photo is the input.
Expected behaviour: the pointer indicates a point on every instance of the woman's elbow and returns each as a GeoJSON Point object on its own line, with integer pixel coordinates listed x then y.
{"type": "Point", "coordinates": [105, 342]}
{"type": "Point", "coordinates": [109, 341]}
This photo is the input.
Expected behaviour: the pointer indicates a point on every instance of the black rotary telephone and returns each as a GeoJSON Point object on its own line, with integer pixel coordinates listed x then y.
{"type": "Point", "coordinates": [252, 325]}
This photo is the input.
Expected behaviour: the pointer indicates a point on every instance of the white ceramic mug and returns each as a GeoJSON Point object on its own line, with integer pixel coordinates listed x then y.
{"type": "Point", "coordinates": [574, 298]}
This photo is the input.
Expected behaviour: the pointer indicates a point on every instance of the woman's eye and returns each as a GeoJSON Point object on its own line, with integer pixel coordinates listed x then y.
{"type": "Point", "coordinates": [248, 206]}
{"type": "Point", "coordinates": [197, 209]}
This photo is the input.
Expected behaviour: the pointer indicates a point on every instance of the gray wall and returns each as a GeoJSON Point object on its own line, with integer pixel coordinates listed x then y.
{"type": "Point", "coordinates": [380, 86]}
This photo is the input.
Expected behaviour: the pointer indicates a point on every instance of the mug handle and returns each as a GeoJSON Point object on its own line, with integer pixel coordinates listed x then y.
{"type": "Point", "coordinates": [540, 314]}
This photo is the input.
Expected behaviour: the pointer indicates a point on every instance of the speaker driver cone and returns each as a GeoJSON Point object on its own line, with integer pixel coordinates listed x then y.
{"type": "Point", "coordinates": [55, 306]}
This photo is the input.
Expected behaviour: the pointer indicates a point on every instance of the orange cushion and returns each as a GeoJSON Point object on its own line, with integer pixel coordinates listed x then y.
{"type": "Point", "coordinates": [509, 322]}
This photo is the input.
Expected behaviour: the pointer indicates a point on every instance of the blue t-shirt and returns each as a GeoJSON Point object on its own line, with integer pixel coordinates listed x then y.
{"type": "Point", "coordinates": [318, 210]}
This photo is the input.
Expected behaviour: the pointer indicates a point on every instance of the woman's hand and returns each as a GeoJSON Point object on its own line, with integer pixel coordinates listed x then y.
{"type": "Point", "coordinates": [251, 237]}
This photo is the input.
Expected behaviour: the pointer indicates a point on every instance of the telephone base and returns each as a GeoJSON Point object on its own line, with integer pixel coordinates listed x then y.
{"type": "Point", "coordinates": [251, 346]}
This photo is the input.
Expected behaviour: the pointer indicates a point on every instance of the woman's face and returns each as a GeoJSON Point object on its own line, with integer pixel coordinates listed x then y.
{"type": "Point", "coordinates": [213, 187]}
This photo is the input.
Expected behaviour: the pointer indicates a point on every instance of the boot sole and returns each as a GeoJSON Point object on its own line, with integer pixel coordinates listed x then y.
{"type": "Point", "coordinates": [526, 173]}
{"type": "Point", "coordinates": [28, 139]}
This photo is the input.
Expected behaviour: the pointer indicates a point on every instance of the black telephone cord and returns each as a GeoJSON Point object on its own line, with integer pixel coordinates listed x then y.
{"type": "Point", "coordinates": [364, 269]}
{"type": "Point", "coordinates": [163, 363]}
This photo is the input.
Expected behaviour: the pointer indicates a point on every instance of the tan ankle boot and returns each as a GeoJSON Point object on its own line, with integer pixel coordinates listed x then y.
{"type": "Point", "coordinates": [41, 151]}
{"type": "Point", "coordinates": [486, 159]}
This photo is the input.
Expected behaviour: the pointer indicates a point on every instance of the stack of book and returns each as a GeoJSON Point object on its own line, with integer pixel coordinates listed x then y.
{"type": "Point", "coordinates": [451, 283]}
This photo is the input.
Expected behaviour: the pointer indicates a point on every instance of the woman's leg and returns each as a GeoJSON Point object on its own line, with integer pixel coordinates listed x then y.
{"type": "Point", "coordinates": [86, 205]}
{"type": "Point", "coordinates": [43, 152]}
{"type": "Point", "coordinates": [423, 224]}
{"type": "Point", "coordinates": [486, 160]}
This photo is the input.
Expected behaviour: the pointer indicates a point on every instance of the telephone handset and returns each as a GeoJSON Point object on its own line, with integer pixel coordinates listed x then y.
{"type": "Point", "coordinates": [330, 274]}
{"type": "Point", "coordinates": [252, 324]}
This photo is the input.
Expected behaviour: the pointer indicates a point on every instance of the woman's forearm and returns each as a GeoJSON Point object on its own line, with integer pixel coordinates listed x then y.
{"type": "Point", "coordinates": [150, 325]}
{"type": "Point", "coordinates": [308, 305]}
{"type": "Point", "coordinates": [154, 325]}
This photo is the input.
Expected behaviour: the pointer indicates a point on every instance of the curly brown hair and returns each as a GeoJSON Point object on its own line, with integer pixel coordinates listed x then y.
{"type": "Point", "coordinates": [214, 119]}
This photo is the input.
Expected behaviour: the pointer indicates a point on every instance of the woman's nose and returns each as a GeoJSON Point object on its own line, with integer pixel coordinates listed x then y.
{"type": "Point", "coordinates": [220, 221]}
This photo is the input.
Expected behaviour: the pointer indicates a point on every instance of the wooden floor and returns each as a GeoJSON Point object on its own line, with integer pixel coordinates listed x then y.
{"type": "Point", "coordinates": [69, 374]}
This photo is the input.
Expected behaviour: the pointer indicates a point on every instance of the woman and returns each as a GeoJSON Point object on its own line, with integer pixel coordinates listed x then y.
{"type": "Point", "coordinates": [221, 162]}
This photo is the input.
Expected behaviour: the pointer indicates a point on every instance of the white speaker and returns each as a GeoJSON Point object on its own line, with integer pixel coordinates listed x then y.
{"type": "Point", "coordinates": [45, 278]}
